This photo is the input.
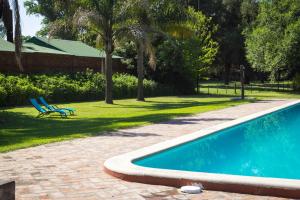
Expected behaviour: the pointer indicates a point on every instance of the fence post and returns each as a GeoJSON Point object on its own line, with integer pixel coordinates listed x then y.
{"type": "Point", "coordinates": [242, 70]}
{"type": "Point", "coordinates": [234, 87]}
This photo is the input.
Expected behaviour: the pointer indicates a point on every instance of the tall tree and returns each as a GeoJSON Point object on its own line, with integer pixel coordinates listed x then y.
{"type": "Point", "coordinates": [200, 49]}
{"type": "Point", "coordinates": [188, 50]}
{"type": "Point", "coordinates": [58, 19]}
{"type": "Point", "coordinates": [232, 17]}
{"type": "Point", "coordinates": [273, 43]}
{"type": "Point", "coordinates": [102, 16]}
{"type": "Point", "coordinates": [57, 16]}
{"type": "Point", "coordinates": [139, 28]}
{"type": "Point", "coordinates": [152, 18]}
{"type": "Point", "coordinates": [6, 15]}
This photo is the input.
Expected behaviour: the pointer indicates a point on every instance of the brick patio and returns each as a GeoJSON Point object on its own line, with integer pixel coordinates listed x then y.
{"type": "Point", "coordinates": [74, 169]}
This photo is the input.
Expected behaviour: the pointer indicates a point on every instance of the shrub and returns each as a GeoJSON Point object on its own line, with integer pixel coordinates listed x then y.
{"type": "Point", "coordinates": [18, 90]}
{"type": "Point", "coordinates": [84, 86]}
{"type": "Point", "coordinates": [125, 86]}
{"type": "Point", "coordinates": [3, 95]}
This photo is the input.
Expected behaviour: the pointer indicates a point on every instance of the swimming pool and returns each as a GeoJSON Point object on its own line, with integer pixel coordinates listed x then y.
{"type": "Point", "coordinates": [257, 154]}
{"type": "Point", "coordinates": [268, 146]}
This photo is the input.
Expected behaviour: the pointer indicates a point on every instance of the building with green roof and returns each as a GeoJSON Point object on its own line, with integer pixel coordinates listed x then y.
{"type": "Point", "coordinates": [6, 46]}
{"type": "Point", "coordinates": [33, 48]}
{"type": "Point", "coordinates": [43, 55]}
{"type": "Point", "coordinates": [7, 55]}
{"type": "Point", "coordinates": [75, 48]}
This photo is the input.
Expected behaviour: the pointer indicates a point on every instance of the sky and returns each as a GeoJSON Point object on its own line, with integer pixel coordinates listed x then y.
{"type": "Point", "coordinates": [30, 23]}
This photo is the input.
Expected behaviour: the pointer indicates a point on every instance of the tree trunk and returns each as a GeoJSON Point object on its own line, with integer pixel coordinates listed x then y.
{"type": "Point", "coordinates": [6, 14]}
{"type": "Point", "coordinates": [140, 71]}
{"type": "Point", "coordinates": [226, 74]}
{"type": "Point", "coordinates": [242, 69]}
{"type": "Point", "coordinates": [197, 82]}
{"type": "Point", "coordinates": [7, 18]}
{"type": "Point", "coordinates": [108, 73]}
{"type": "Point", "coordinates": [18, 35]}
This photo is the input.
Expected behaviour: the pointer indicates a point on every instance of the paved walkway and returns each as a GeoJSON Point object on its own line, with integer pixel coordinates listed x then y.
{"type": "Point", "coordinates": [74, 169]}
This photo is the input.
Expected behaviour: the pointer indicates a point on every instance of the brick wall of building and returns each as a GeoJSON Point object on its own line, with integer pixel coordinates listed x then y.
{"type": "Point", "coordinates": [43, 63]}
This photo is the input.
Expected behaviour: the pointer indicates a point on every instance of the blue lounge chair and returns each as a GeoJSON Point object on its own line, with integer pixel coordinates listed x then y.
{"type": "Point", "coordinates": [43, 112]}
{"type": "Point", "coordinates": [52, 107]}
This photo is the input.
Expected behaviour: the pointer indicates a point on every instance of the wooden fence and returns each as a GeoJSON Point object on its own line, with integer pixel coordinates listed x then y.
{"type": "Point", "coordinates": [235, 88]}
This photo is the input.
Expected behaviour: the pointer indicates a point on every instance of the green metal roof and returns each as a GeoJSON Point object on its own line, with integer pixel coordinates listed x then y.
{"type": "Point", "coordinates": [6, 46]}
{"type": "Point", "coordinates": [75, 48]}
{"type": "Point", "coordinates": [28, 48]}
{"type": "Point", "coordinates": [33, 48]}
{"type": "Point", "coordinates": [55, 46]}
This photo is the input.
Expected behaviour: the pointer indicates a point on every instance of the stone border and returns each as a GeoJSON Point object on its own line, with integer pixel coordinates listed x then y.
{"type": "Point", "coordinates": [122, 167]}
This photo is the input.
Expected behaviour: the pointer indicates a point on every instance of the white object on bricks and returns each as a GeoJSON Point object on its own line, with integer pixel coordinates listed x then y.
{"type": "Point", "coordinates": [191, 189]}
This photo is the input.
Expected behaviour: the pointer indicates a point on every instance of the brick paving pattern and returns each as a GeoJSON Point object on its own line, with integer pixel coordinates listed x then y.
{"type": "Point", "coordinates": [74, 169]}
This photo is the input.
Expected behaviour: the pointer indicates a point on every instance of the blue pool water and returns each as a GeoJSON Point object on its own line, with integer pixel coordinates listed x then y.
{"type": "Point", "coordinates": [268, 146]}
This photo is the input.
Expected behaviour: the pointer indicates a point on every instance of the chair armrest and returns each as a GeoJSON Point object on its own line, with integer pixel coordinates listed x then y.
{"type": "Point", "coordinates": [55, 107]}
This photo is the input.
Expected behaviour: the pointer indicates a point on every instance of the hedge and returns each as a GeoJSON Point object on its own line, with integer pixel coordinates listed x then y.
{"type": "Point", "coordinates": [16, 90]}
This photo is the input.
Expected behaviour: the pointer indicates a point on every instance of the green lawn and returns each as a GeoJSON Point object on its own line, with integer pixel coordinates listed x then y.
{"type": "Point", "coordinates": [19, 127]}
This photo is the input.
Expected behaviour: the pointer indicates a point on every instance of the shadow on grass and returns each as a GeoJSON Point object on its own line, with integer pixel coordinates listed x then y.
{"type": "Point", "coordinates": [18, 129]}
{"type": "Point", "coordinates": [158, 105]}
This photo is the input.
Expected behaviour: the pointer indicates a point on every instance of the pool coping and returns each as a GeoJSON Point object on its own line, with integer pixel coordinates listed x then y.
{"type": "Point", "coordinates": [122, 167]}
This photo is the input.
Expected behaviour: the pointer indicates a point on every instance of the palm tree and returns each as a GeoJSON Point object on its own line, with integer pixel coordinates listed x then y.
{"type": "Point", "coordinates": [6, 15]}
{"type": "Point", "coordinates": [139, 28]}
{"type": "Point", "coordinates": [101, 16]}
{"type": "Point", "coordinates": [143, 45]}
{"type": "Point", "coordinates": [111, 19]}
{"type": "Point", "coordinates": [142, 24]}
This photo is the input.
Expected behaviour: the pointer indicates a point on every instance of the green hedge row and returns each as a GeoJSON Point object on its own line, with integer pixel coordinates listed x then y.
{"type": "Point", "coordinates": [16, 90]}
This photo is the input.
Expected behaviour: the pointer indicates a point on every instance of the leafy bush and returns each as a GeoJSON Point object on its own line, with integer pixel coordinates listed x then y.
{"type": "Point", "coordinates": [84, 86]}
{"type": "Point", "coordinates": [17, 90]}
{"type": "Point", "coordinates": [171, 67]}
{"type": "Point", "coordinates": [3, 95]}
{"type": "Point", "coordinates": [124, 86]}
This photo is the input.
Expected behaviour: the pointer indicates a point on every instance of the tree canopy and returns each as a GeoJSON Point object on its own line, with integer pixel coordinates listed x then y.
{"type": "Point", "coordinates": [207, 37]}
{"type": "Point", "coordinates": [231, 17]}
{"type": "Point", "coordinates": [273, 41]}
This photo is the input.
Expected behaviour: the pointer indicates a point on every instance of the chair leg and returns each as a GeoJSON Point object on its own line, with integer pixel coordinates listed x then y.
{"type": "Point", "coordinates": [62, 115]}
